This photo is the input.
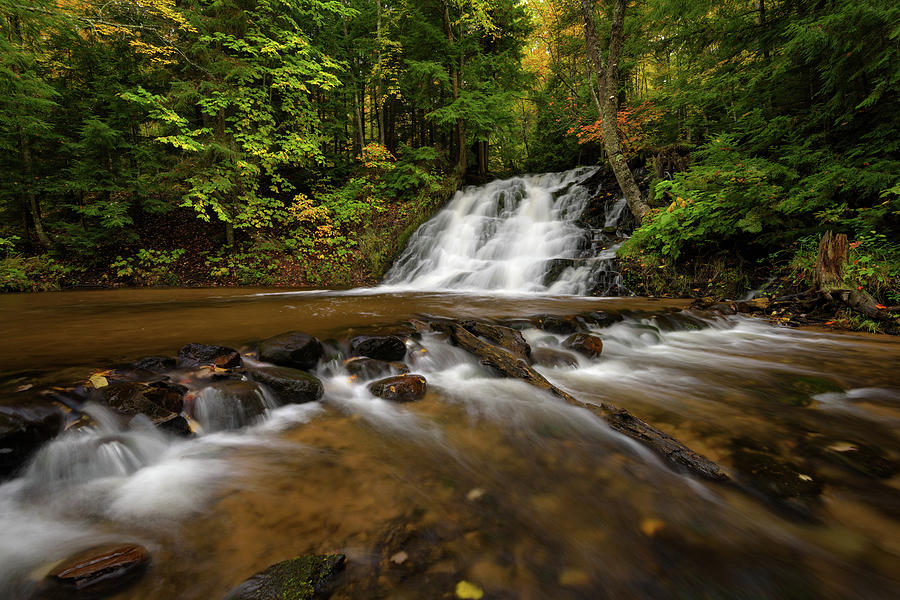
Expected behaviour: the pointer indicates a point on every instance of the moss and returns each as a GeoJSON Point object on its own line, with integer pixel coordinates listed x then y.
{"type": "Point", "coordinates": [301, 578]}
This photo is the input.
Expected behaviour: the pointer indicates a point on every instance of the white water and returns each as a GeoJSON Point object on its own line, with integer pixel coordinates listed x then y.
{"type": "Point", "coordinates": [518, 235]}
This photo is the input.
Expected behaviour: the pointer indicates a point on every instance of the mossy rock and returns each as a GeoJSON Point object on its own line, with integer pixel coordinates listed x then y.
{"type": "Point", "coordinates": [775, 477]}
{"type": "Point", "coordinates": [301, 578]}
{"type": "Point", "coordinates": [799, 390]}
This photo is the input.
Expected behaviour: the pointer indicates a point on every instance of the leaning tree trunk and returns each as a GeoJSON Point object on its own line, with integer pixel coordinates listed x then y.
{"type": "Point", "coordinates": [609, 84]}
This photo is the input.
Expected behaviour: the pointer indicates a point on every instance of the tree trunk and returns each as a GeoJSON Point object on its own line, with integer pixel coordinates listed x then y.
{"type": "Point", "coordinates": [609, 83]}
{"type": "Point", "coordinates": [830, 262]}
{"type": "Point", "coordinates": [32, 201]}
{"type": "Point", "coordinates": [454, 80]}
{"type": "Point", "coordinates": [379, 84]}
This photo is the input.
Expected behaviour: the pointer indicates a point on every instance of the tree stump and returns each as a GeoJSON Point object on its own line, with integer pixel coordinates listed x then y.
{"type": "Point", "coordinates": [830, 262]}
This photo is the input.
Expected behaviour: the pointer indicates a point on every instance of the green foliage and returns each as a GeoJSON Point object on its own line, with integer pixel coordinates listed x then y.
{"type": "Point", "coordinates": [148, 267]}
{"type": "Point", "coordinates": [250, 267]}
{"type": "Point", "coordinates": [32, 274]}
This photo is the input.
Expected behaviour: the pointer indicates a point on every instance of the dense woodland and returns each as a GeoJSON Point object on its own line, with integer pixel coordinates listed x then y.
{"type": "Point", "coordinates": [300, 141]}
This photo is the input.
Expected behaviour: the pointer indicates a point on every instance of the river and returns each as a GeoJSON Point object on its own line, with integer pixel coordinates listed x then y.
{"type": "Point", "coordinates": [486, 479]}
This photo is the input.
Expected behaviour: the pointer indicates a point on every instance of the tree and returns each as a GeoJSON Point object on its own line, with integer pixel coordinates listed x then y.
{"type": "Point", "coordinates": [608, 83]}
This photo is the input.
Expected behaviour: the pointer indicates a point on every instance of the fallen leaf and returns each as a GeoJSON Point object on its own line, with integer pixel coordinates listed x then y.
{"type": "Point", "coordinates": [651, 527]}
{"type": "Point", "coordinates": [474, 494]}
{"type": "Point", "coordinates": [99, 381]}
{"type": "Point", "coordinates": [399, 558]}
{"type": "Point", "coordinates": [468, 591]}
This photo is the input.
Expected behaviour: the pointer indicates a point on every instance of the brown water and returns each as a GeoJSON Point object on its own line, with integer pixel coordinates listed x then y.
{"type": "Point", "coordinates": [486, 480]}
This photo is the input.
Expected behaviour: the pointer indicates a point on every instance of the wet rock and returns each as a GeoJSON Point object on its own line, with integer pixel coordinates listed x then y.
{"type": "Point", "coordinates": [555, 324]}
{"type": "Point", "coordinates": [585, 343]}
{"type": "Point", "coordinates": [26, 422]}
{"type": "Point", "coordinates": [381, 347]}
{"type": "Point", "coordinates": [507, 338]}
{"type": "Point", "coordinates": [291, 349]}
{"type": "Point", "coordinates": [132, 398]}
{"type": "Point", "coordinates": [97, 572]}
{"type": "Point", "coordinates": [723, 308]}
{"type": "Point", "coordinates": [156, 364]}
{"type": "Point", "coordinates": [555, 267]}
{"type": "Point", "coordinates": [755, 305]}
{"type": "Point", "coordinates": [291, 386]}
{"type": "Point", "coordinates": [176, 425]}
{"type": "Point", "coordinates": [301, 578]}
{"type": "Point", "coordinates": [166, 394]}
{"type": "Point", "coordinates": [228, 404]}
{"type": "Point", "coordinates": [192, 356]}
{"type": "Point", "coordinates": [601, 318]}
{"type": "Point", "coordinates": [548, 357]}
{"type": "Point", "coordinates": [369, 368]}
{"type": "Point", "coordinates": [402, 388]}
{"type": "Point", "coordinates": [773, 476]}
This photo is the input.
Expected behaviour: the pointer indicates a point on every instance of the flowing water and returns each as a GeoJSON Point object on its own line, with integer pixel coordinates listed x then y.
{"type": "Point", "coordinates": [486, 479]}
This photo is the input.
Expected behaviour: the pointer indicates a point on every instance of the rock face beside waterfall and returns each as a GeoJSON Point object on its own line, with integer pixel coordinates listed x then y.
{"type": "Point", "coordinates": [555, 233]}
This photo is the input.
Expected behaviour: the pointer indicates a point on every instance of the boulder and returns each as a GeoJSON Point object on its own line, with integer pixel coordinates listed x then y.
{"type": "Point", "coordinates": [756, 305]}
{"type": "Point", "coordinates": [365, 368]}
{"type": "Point", "coordinates": [26, 422]}
{"type": "Point", "coordinates": [192, 356]}
{"type": "Point", "coordinates": [585, 343]}
{"type": "Point", "coordinates": [291, 349]}
{"type": "Point", "coordinates": [555, 324]}
{"type": "Point", "coordinates": [166, 394]}
{"type": "Point", "coordinates": [381, 347]}
{"type": "Point", "coordinates": [402, 388]}
{"type": "Point", "coordinates": [301, 578]}
{"type": "Point", "coordinates": [291, 386]}
{"type": "Point", "coordinates": [549, 357]}
{"type": "Point", "coordinates": [228, 404]}
{"type": "Point", "coordinates": [97, 572]}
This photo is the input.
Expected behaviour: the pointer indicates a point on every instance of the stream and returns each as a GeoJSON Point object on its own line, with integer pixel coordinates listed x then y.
{"type": "Point", "coordinates": [486, 479]}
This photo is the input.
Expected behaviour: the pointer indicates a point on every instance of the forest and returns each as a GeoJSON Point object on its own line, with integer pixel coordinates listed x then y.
{"type": "Point", "coordinates": [300, 142]}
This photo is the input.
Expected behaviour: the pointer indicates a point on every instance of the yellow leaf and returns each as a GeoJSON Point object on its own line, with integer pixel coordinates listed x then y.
{"type": "Point", "coordinates": [468, 591]}
{"type": "Point", "coordinates": [99, 381]}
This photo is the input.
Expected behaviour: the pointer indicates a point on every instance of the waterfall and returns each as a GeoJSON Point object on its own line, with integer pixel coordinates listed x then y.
{"type": "Point", "coordinates": [527, 234]}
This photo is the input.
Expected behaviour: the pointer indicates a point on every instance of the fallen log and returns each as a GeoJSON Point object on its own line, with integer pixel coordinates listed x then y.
{"type": "Point", "coordinates": [509, 365]}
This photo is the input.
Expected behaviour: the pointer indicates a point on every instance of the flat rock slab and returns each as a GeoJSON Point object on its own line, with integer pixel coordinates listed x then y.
{"type": "Point", "coordinates": [291, 349]}
{"type": "Point", "coordinates": [301, 578]}
{"type": "Point", "coordinates": [97, 572]}
{"type": "Point", "coordinates": [402, 388]}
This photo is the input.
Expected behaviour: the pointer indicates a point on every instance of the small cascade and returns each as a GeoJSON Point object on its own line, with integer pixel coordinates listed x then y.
{"type": "Point", "coordinates": [530, 234]}
{"type": "Point", "coordinates": [229, 405]}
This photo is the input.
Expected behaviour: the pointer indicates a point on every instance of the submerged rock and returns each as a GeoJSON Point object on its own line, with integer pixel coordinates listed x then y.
{"type": "Point", "coordinates": [301, 578]}
{"type": "Point", "coordinates": [97, 572]}
{"type": "Point", "coordinates": [365, 368]}
{"type": "Point", "coordinates": [26, 422]}
{"type": "Point", "coordinates": [291, 386]}
{"type": "Point", "coordinates": [291, 349]}
{"type": "Point", "coordinates": [852, 455]}
{"type": "Point", "coordinates": [402, 388]}
{"type": "Point", "coordinates": [549, 357]}
{"type": "Point", "coordinates": [199, 355]}
{"type": "Point", "coordinates": [773, 476]}
{"type": "Point", "coordinates": [381, 347]}
{"type": "Point", "coordinates": [585, 343]}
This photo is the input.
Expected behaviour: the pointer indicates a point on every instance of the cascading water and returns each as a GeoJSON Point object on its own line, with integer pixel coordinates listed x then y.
{"type": "Point", "coordinates": [522, 235]}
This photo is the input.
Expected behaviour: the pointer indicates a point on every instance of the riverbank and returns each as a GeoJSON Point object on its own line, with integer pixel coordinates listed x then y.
{"type": "Point", "coordinates": [338, 247]}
